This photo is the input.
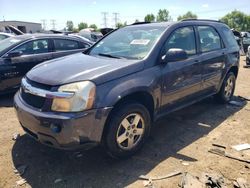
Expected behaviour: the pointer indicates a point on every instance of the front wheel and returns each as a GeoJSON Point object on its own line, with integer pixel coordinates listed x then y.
{"type": "Point", "coordinates": [128, 129]}
{"type": "Point", "coordinates": [227, 89]}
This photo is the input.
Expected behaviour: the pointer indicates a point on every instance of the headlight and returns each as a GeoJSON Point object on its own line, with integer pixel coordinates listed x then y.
{"type": "Point", "coordinates": [83, 98]}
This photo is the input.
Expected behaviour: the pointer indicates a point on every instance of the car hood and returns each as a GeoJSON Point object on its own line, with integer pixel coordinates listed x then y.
{"type": "Point", "coordinates": [79, 67]}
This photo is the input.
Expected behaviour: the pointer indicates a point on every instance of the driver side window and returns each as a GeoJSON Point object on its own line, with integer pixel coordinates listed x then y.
{"type": "Point", "coordinates": [182, 38]}
{"type": "Point", "coordinates": [33, 47]}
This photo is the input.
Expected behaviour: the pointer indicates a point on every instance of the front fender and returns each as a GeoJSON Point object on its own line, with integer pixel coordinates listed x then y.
{"type": "Point", "coordinates": [148, 81]}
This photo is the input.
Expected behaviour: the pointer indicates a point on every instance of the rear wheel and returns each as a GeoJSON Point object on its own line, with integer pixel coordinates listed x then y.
{"type": "Point", "coordinates": [128, 129]}
{"type": "Point", "coordinates": [227, 88]}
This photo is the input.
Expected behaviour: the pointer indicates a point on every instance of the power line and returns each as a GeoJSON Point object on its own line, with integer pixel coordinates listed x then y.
{"type": "Point", "coordinates": [116, 14]}
{"type": "Point", "coordinates": [105, 18]}
{"type": "Point", "coordinates": [44, 24]}
{"type": "Point", "coordinates": [53, 23]}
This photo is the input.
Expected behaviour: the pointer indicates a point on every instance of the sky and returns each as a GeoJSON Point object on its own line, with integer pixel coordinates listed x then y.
{"type": "Point", "coordinates": [90, 11]}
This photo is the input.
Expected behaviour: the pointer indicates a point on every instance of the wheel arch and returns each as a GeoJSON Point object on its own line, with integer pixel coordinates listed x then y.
{"type": "Point", "coordinates": [235, 70]}
{"type": "Point", "coordinates": [142, 97]}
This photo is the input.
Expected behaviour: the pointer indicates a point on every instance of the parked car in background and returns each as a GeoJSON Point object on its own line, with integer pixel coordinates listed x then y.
{"type": "Point", "coordinates": [90, 34]}
{"type": "Point", "coordinates": [5, 35]}
{"type": "Point", "coordinates": [122, 84]}
{"type": "Point", "coordinates": [21, 53]}
{"type": "Point", "coordinates": [245, 40]}
{"type": "Point", "coordinates": [248, 56]}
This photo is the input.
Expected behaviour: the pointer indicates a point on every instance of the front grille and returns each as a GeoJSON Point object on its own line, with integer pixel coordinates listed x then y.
{"type": "Point", "coordinates": [33, 100]}
{"type": "Point", "coordinates": [38, 85]}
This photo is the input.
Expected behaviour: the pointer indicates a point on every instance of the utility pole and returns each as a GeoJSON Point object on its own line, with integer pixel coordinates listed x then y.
{"type": "Point", "coordinates": [53, 23]}
{"type": "Point", "coordinates": [116, 14]}
{"type": "Point", "coordinates": [105, 18]}
{"type": "Point", "coordinates": [44, 24]}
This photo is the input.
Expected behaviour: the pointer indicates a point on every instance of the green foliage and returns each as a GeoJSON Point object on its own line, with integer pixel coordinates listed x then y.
{"type": "Point", "coordinates": [119, 24]}
{"type": "Point", "coordinates": [69, 25]}
{"type": "Point", "coordinates": [237, 20]}
{"type": "Point", "coordinates": [188, 15]}
{"type": "Point", "coordinates": [163, 16]}
{"type": "Point", "coordinates": [93, 26]}
{"type": "Point", "coordinates": [82, 26]}
{"type": "Point", "coordinates": [75, 30]}
{"type": "Point", "coordinates": [149, 18]}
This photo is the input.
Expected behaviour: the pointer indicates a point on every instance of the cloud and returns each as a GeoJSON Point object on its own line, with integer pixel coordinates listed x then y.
{"type": "Point", "coordinates": [205, 6]}
{"type": "Point", "coordinates": [94, 3]}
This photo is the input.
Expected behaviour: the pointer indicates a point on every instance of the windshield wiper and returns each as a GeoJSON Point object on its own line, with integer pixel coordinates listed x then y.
{"type": "Point", "coordinates": [109, 55]}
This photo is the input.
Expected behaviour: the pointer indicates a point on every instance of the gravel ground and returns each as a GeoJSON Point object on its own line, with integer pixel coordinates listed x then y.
{"type": "Point", "coordinates": [179, 141]}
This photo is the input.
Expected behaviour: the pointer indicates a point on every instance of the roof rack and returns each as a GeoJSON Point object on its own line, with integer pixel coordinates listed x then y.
{"type": "Point", "coordinates": [194, 19]}
{"type": "Point", "coordinates": [138, 23]}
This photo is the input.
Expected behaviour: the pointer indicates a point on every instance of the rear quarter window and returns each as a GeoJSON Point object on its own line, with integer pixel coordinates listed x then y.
{"type": "Point", "coordinates": [229, 37]}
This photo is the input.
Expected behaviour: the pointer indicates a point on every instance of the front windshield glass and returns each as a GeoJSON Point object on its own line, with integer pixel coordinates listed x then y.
{"type": "Point", "coordinates": [128, 42]}
{"type": "Point", "coordinates": [6, 43]}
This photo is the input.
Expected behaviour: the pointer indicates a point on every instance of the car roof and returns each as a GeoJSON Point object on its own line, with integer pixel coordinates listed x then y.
{"type": "Point", "coordinates": [6, 34]}
{"type": "Point", "coordinates": [41, 35]}
{"type": "Point", "coordinates": [170, 23]}
{"type": "Point", "coordinates": [152, 24]}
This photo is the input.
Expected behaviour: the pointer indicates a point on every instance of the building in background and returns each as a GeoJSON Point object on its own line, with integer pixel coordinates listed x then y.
{"type": "Point", "coordinates": [25, 27]}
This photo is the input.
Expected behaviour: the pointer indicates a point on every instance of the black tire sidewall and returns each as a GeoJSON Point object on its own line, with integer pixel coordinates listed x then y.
{"type": "Point", "coordinates": [247, 61]}
{"type": "Point", "coordinates": [222, 97]}
{"type": "Point", "coordinates": [116, 118]}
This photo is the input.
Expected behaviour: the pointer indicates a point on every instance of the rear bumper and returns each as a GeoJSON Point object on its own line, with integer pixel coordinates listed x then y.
{"type": "Point", "coordinates": [62, 130]}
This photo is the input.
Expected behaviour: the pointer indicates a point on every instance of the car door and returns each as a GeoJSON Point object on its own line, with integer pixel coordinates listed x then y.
{"type": "Point", "coordinates": [212, 58]}
{"type": "Point", "coordinates": [14, 68]}
{"type": "Point", "coordinates": [181, 80]}
{"type": "Point", "coordinates": [63, 47]}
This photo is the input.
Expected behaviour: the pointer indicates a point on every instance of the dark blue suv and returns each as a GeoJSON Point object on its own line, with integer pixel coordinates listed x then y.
{"type": "Point", "coordinates": [113, 92]}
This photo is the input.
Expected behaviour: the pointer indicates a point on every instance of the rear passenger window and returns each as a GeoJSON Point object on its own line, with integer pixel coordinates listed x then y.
{"type": "Point", "coordinates": [209, 39]}
{"type": "Point", "coordinates": [62, 44]}
{"type": "Point", "coordinates": [229, 37]}
{"type": "Point", "coordinates": [183, 38]}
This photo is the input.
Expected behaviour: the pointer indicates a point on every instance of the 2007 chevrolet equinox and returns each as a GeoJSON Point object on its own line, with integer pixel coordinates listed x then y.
{"type": "Point", "coordinates": [112, 93]}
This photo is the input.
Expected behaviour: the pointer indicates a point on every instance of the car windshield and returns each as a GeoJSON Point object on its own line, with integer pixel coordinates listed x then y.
{"type": "Point", "coordinates": [129, 42]}
{"type": "Point", "coordinates": [6, 43]}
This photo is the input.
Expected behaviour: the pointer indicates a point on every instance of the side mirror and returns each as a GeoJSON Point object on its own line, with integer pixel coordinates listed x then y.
{"type": "Point", "coordinates": [174, 54]}
{"type": "Point", "coordinates": [13, 54]}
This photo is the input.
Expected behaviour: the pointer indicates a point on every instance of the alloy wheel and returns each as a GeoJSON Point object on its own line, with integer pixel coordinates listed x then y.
{"type": "Point", "coordinates": [130, 131]}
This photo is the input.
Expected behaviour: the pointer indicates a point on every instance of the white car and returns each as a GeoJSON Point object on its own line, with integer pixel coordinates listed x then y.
{"type": "Point", "coordinates": [5, 35]}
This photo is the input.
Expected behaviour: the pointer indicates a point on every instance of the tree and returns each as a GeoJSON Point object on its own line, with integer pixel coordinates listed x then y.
{"type": "Point", "coordinates": [237, 20]}
{"type": "Point", "coordinates": [93, 26]}
{"type": "Point", "coordinates": [188, 15]}
{"type": "Point", "coordinates": [119, 24]}
{"type": "Point", "coordinates": [163, 16]}
{"type": "Point", "coordinates": [82, 25]}
{"type": "Point", "coordinates": [75, 30]}
{"type": "Point", "coordinates": [69, 25]}
{"type": "Point", "coordinates": [149, 18]}
{"type": "Point", "coordinates": [136, 21]}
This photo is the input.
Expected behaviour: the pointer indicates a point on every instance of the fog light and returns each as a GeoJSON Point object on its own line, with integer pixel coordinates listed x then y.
{"type": "Point", "coordinates": [55, 128]}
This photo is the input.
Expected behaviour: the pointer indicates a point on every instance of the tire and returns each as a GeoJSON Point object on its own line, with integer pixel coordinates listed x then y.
{"type": "Point", "coordinates": [227, 89]}
{"type": "Point", "coordinates": [124, 136]}
{"type": "Point", "coordinates": [247, 61]}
